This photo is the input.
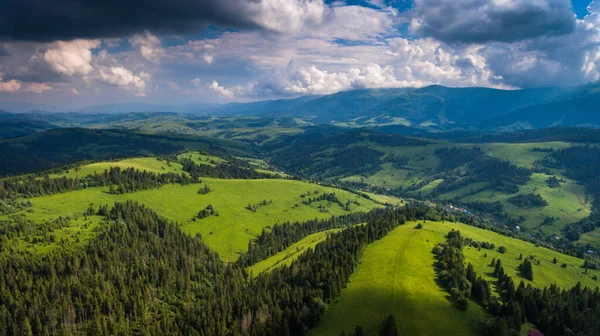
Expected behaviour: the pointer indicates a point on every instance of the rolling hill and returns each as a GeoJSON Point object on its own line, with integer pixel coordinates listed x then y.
{"type": "Point", "coordinates": [397, 276]}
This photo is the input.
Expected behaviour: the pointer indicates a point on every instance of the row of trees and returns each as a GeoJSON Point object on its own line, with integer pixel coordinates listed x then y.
{"type": "Point", "coordinates": [118, 180]}
{"type": "Point", "coordinates": [277, 238]}
{"type": "Point", "coordinates": [234, 169]}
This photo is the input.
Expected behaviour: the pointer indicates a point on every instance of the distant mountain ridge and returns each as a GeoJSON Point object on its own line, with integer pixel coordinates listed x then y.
{"type": "Point", "coordinates": [433, 107]}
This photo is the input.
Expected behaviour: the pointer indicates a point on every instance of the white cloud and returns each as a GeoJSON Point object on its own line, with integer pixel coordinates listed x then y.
{"type": "Point", "coordinates": [333, 47]}
{"type": "Point", "coordinates": [285, 16]}
{"type": "Point", "coordinates": [75, 92]}
{"type": "Point", "coordinates": [36, 87]}
{"type": "Point", "coordinates": [214, 86]}
{"type": "Point", "coordinates": [71, 58]}
{"type": "Point", "coordinates": [208, 58]}
{"type": "Point", "coordinates": [9, 86]}
{"type": "Point", "coordinates": [311, 80]}
{"type": "Point", "coordinates": [14, 86]}
{"type": "Point", "coordinates": [124, 78]}
{"type": "Point", "coordinates": [149, 45]}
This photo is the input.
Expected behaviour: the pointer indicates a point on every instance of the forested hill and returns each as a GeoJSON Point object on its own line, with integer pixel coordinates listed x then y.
{"type": "Point", "coordinates": [55, 148]}
{"type": "Point", "coordinates": [50, 149]}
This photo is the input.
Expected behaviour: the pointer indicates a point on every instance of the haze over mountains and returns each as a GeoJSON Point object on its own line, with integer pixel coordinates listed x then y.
{"type": "Point", "coordinates": [432, 108]}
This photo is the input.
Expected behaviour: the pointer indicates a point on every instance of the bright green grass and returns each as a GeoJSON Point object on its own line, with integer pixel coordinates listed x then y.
{"type": "Point", "coordinates": [198, 158]}
{"type": "Point", "coordinates": [428, 188]}
{"type": "Point", "coordinates": [567, 203]}
{"type": "Point", "coordinates": [149, 164]}
{"type": "Point", "coordinates": [229, 233]}
{"type": "Point", "coordinates": [396, 276]}
{"type": "Point", "coordinates": [520, 154]}
{"type": "Point", "coordinates": [385, 199]}
{"type": "Point", "coordinates": [285, 258]}
{"type": "Point", "coordinates": [465, 191]}
{"type": "Point", "coordinates": [592, 238]}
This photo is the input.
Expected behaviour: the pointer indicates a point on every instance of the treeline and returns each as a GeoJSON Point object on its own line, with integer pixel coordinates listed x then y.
{"type": "Point", "coordinates": [118, 180]}
{"type": "Point", "coordinates": [453, 157]}
{"type": "Point", "coordinates": [554, 311]}
{"type": "Point", "coordinates": [277, 238]}
{"type": "Point", "coordinates": [225, 170]}
{"type": "Point", "coordinates": [566, 134]}
{"type": "Point", "coordinates": [327, 152]}
{"type": "Point", "coordinates": [282, 236]}
{"type": "Point", "coordinates": [460, 281]}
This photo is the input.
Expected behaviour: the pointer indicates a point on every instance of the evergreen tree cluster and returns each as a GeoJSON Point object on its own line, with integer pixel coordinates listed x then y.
{"type": "Point", "coordinates": [528, 201]}
{"type": "Point", "coordinates": [55, 148]}
{"type": "Point", "coordinates": [499, 174]}
{"type": "Point", "coordinates": [34, 232]}
{"type": "Point", "coordinates": [526, 269]}
{"type": "Point", "coordinates": [118, 180]}
{"type": "Point", "coordinates": [329, 197]}
{"type": "Point", "coordinates": [204, 190]}
{"type": "Point", "coordinates": [453, 157]}
{"type": "Point", "coordinates": [11, 205]}
{"type": "Point", "coordinates": [553, 182]}
{"type": "Point", "coordinates": [554, 311]}
{"type": "Point", "coordinates": [277, 238]}
{"type": "Point", "coordinates": [254, 207]}
{"type": "Point", "coordinates": [233, 169]}
{"type": "Point", "coordinates": [206, 212]}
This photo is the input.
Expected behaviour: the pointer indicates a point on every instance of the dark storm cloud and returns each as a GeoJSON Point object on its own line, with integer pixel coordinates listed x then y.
{"type": "Point", "coordinates": [45, 20]}
{"type": "Point", "coordinates": [3, 51]}
{"type": "Point", "coordinates": [481, 21]}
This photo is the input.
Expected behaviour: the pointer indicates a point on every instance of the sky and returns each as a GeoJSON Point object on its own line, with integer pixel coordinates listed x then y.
{"type": "Point", "coordinates": [75, 53]}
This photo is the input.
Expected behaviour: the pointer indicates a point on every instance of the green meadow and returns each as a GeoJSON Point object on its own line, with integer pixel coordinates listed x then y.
{"type": "Point", "coordinates": [396, 276]}
{"type": "Point", "coordinates": [521, 154]}
{"type": "Point", "coordinates": [151, 164]}
{"type": "Point", "coordinates": [566, 204]}
{"type": "Point", "coordinates": [286, 257]}
{"type": "Point", "coordinates": [229, 232]}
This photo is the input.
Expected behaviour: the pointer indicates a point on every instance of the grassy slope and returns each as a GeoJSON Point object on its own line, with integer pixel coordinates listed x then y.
{"type": "Point", "coordinates": [568, 203]}
{"type": "Point", "coordinates": [396, 276]}
{"type": "Point", "coordinates": [285, 258]}
{"type": "Point", "coordinates": [150, 164]}
{"type": "Point", "coordinates": [592, 238]}
{"type": "Point", "coordinates": [386, 199]}
{"type": "Point", "coordinates": [228, 233]}
{"type": "Point", "coordinates": [520, 154]}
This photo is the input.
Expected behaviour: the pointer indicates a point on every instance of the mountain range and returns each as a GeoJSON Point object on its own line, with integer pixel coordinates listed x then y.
{"type": "Point", "coordinates": [430, 108]}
